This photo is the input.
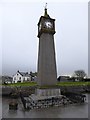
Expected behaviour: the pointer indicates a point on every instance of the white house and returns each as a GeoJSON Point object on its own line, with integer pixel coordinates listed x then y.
{"type": "Point", "coordinates": [21, 77]}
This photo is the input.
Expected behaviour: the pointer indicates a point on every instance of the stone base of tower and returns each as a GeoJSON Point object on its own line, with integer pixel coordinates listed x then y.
{"type": "Point", "coordinates": [46, 98]}
{"type": "Point", "coordinates": [48, 92]}
{"type": "Point", "coordinates": [44, 94]}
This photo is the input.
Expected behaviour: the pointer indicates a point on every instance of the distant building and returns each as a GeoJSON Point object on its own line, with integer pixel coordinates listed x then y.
{"type": "Point", "coordinates": [86, 79]}
{"type": "Point", "coordinates": [21, 77]}
{"type": "Point", "coordinates": [6, 79]}
{"type": "Point", "coordinates": [64, 78]}
{"type": "Point", "coordinates": [72, 79]}
{"type": "Point", "coordinates": [33, 76]}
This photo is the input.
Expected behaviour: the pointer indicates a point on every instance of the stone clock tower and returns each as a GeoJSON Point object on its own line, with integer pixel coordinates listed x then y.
{"type": "Point", "coordinates": [47, 73]}
{"type": "Point", "coordinates": [47, 93]}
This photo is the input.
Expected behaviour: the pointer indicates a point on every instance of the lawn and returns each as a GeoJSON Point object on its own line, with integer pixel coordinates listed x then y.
{"type": "Point", "coordinates": [58, 84]}
{"type": "Point", "coordinates": [23, 84]}
{"type": "Point", "coordinates": [72, 83]}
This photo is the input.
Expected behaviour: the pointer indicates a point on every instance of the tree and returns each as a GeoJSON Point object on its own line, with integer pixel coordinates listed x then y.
{"type": "Point", "coordinates": [80, 74]}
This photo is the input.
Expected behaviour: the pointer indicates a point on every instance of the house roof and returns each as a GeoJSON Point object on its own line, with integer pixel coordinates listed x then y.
{"type": "Point", "coordinates": [25, 74]}
{"type": "Point", "coordinates": [33, 74]}
{"type": "Point", "coordinates": [6, 78]}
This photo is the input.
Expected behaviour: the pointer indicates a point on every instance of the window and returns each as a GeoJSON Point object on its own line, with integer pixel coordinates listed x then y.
{"type": "Point", "coordinates": [27, 79]}
{"type": "Point", "coordinates": [19, 81]}
{"type": "Point", "coordinates": [19, 78]}
{"type": "Point", "coordinates": [14, 78]}
{"type": "Point", "coordinates": [23, 79]}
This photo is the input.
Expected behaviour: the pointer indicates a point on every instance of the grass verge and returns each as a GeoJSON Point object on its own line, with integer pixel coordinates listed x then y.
{"type": "Point", "coordinates": [58, 84]}
{"type": "Point", "coordinates": [73, 83]}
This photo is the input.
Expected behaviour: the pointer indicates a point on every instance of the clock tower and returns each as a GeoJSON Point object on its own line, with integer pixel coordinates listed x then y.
{"type": "Point", "coordinates": [47, 73]}
{"type": "Point", "coordinates": [47, 93]}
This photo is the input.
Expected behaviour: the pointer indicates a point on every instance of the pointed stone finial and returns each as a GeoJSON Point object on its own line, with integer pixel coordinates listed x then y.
{"type": "Point", "coordinates": [46, 6]}
{"type": "Point", "coordinates": [45, 13]}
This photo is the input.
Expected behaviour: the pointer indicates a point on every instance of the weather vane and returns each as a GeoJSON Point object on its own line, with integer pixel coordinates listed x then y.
{"type": "Point", "coordinates": [46, 6]}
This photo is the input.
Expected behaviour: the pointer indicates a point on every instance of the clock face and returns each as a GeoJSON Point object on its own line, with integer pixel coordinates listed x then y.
{"type": "Point", "coordinates": [48, 24]}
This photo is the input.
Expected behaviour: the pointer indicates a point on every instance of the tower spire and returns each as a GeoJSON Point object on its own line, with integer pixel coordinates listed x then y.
{"type": "Point", "coordinates": [46, 6]}
{"type": "Point", "coordinates": [45, 12]}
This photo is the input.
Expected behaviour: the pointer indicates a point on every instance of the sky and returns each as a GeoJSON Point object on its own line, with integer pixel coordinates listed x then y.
{"type": "Point", "coordinates": [19, 41]}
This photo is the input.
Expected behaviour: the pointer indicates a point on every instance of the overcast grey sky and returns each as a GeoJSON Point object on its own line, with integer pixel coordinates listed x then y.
{"type": "Point", "coordinates": [20, 42]}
